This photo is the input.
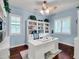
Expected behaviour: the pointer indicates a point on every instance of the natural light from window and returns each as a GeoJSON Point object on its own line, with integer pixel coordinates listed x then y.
{"type": "Point", "coordinates": [62, 25]}
{"type": "Point", "coordinates": [15, 24]}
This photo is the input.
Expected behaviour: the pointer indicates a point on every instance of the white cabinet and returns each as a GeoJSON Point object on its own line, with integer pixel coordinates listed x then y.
{"type": "Point", "coordinates": [4, 48]}
{"type": "Point", "coordinates": [38, 49]}
{"type": "Point", "coordinates": [4, 54]}
{"type": "Point", "coordinates": [41, 27]}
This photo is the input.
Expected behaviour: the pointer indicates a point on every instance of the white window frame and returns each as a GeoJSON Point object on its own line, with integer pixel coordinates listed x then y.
{"type": "Point", "coordinates": [61, 25]}
{"type": "Point", "coordinates": [10, 24]}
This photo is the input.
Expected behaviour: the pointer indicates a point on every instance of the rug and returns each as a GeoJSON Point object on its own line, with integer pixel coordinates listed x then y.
{"type": "Point", "coordinates": [24, 54]}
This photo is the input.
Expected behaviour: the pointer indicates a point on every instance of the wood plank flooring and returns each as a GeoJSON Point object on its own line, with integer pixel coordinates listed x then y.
{"type": "Point", "coordinates": [15, 52]}
{"type": "Point", "coordinates": [67, 52]}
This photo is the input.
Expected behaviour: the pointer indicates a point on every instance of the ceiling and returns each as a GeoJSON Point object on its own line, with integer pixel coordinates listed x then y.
{"type": "Point", "coordinates": [35, 5]}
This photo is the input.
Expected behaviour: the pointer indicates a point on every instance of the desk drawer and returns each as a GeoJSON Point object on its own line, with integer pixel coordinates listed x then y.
{"type": "Point", "coordinates": [48, 46]}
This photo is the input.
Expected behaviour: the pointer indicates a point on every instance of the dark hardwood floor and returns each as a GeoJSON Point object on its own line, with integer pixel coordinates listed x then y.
{"type": "Point", "coordinates": [15, 52]}
{"type": "Point", "coordinates": [67, 52]}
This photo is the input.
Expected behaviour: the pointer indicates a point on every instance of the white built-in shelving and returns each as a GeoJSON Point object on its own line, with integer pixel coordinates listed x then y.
{"type": "Point", "coordinates": [42, 28]}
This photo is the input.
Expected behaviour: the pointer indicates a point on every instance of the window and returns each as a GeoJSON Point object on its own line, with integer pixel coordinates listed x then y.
{"type": "Point", "coordinates": [62, 25]}
{"type": "Point", "coordinates": [15, 24]}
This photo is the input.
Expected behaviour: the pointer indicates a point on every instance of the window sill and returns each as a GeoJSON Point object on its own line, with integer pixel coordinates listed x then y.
{"type": "Point", "coordinates": [61, 34]}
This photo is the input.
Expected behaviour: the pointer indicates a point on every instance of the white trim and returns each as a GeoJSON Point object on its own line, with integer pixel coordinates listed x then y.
{"type": "Point", "coordinates": [17, 45]}
{"type": "Point", "coordinates": [66, 43]}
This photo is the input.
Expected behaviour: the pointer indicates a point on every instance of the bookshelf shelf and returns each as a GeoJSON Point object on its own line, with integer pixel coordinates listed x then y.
{"type": "Point", "coordinates": [40, 26]}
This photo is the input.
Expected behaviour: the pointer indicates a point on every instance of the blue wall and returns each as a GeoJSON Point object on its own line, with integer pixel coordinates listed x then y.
{"type": "Point", "coordinates": [20, 39]}
{"type": "Point", "coordinates": [64, 37]}
{"type": "Point", "coordinates": [16, 40]}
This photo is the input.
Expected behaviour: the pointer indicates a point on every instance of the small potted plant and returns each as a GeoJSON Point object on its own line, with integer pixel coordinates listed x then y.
{"type": "Point", "coordinates": [32, 17]}
{"type": "Point", "coordinates": [77, 6]}
{"type": "Point", "coordinates": [6, 6]}
{"type": "Point", "coordinates": [46, 20]}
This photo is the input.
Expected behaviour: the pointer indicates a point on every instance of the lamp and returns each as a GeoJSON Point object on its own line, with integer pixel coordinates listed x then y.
{"type": "Point", "coordinates": [44, 9]}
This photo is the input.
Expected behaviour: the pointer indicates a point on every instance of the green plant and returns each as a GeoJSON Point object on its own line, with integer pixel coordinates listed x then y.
{"type": "Point", "coordinates": [6, 6]}
{"type": "Point", "coordinates": [46, 20]}
{"type": "Point", "coordinates": [77, 6]}
{"type": "Point", "coordinates": [32, 17]}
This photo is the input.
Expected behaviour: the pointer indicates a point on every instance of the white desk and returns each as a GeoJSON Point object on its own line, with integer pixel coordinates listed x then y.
{"type": "Point", "coordinates": [38, 48]}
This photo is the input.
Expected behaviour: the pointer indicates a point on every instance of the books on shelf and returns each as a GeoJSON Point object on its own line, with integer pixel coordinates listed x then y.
{"type": "Point", "coordinates": [41, 27]}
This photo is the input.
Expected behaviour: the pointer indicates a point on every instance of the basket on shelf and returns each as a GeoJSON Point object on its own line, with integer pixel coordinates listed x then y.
{"type": "Point", "coordinates": [32, 17]}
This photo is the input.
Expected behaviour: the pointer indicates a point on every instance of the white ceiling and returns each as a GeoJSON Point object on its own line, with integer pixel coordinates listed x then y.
{"type": "Point", "coordinates": [33, 5]}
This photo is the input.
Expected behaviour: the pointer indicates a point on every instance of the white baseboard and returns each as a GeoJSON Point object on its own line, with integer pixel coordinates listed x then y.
{"type": "Point", "coordinates": [66, 43]}
{"type": "Point", "coordinates": [17, 45]}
